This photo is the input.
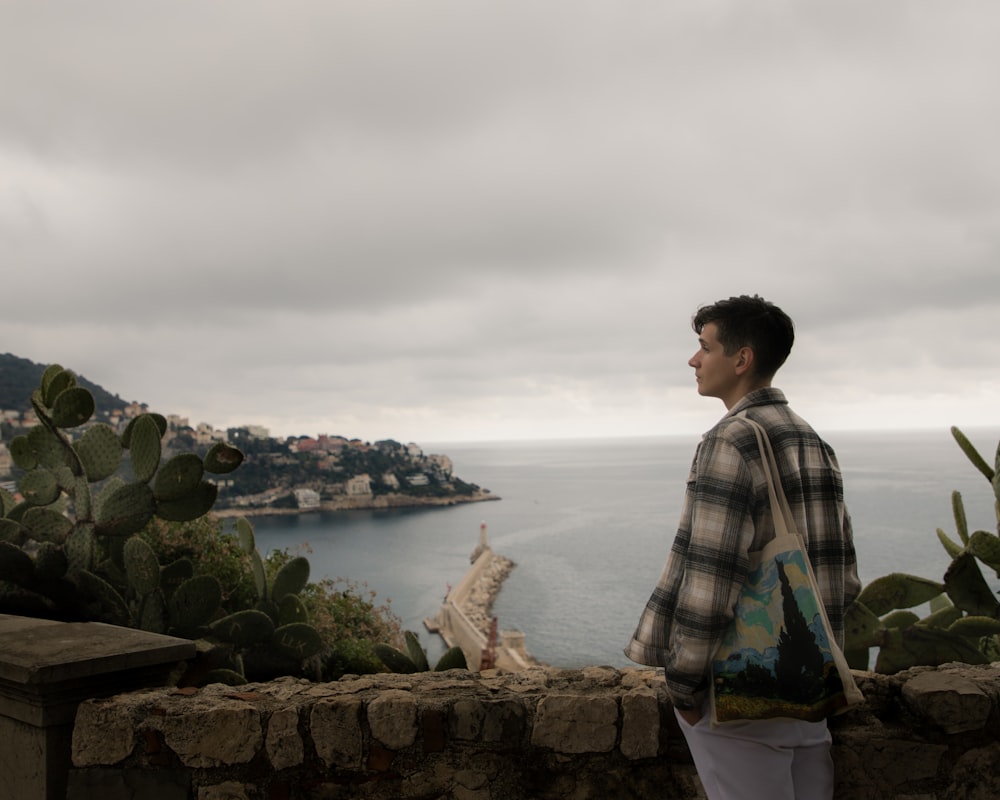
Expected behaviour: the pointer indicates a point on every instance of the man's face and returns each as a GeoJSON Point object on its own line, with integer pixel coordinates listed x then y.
{"type": "Point", "coordinates": [715, 372]}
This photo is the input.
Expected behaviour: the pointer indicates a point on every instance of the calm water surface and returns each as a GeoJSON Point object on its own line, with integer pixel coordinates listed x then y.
{"type": "Point", "coordinates": [589, 523]}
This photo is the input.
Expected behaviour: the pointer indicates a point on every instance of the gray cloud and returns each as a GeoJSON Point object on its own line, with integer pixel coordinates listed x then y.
{"type": "Point", "coordinates": [467, 220]}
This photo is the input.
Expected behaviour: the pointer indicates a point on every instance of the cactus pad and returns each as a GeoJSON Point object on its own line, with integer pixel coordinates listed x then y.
{"type": "Point", "coordinates": [72, 407]}
{"type": "Point", "coordinates": [49, 374]}
{"type": "Point", "coordinates": [986, 547]}
{"type": "Point", "coordinates": [259, 578]}
{"type": "Point", "coordinates": [100, 452]}
{"type": "Point", "coordinates": [415, 651]}
{"type": "Point", "coordinates": [111, 604]}
{"type": "Point", "coordinates": [141, 566]}
{"type": "Point", "coordinates": [50, 562]}
{"type": "Point", "coordinates": [175, 573]}
{"type": "Point", "coordinates": [13, 532]}
{"type": "Point", "coordinates": [244, 627]}
{"type": "Point", "coordinates": [291, 578]}
{"type": "Point", "coordinates": [59, 380]}
{"type": "Point", "coordinates": [158, 419]}
{"type": "Point", "coordinates": [191, 506]}
{"type": "Point", "coordinates": [178, 477]}
{"type": "Point", "coordinates": [49, 450]}
{"type": "Point", "coordinates": [153, 613]}
{"type": "Point", "coordinates": [298, 641]}
{"type": "Point", "coordinates": [244, 531]}
{"type": "Point", "coordinates": [394, 660]}
{"type": "Point", "coordinates": [898, 591]}
{"type": "Point", "coordinates": [39, 487]}
{"type": "Point", "coordinates": [975, 626]}
{"type": "Point", "coordinates": [23, 453]}
{"type": "Point", "coordinates": [900, 619]}
{"type": "Point", "coordinates": [16, 566]}
{"type": "Point", "coordinates": [194, 604]}
{"type": "Point", "coordinates": [453, 658]}
{"type": "Point", "coordinates": [47, 524]}
{"type": "Point", "coordinates": [125, 510]}
{"type": "Point", "coordinates": [968, 589]}
{"type": "Point", "coordinates": [222, 458]}
{"type": "Point", "coordinates": [942, 618]}
{"type": "Point", "coordinates": [292, 609]}
{"type": "Point", "coordinates": [80, 548]}
{"type": "Point", "coordinates": [144, 447]}
{"type": "Point", "coordinates": [861, 627]}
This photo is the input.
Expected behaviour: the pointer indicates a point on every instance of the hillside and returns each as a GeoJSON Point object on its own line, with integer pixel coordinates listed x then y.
{"type": "Point", "coordinates": [343, 474]}
{"type": "Point", "coordinates": [19, 377]}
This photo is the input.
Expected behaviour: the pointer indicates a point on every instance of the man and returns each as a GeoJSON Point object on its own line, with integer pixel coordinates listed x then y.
{"type": "Point", "coordinates": [742, 342]}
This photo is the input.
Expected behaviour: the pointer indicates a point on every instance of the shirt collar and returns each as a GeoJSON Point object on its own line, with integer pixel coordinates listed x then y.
{"type": "Point", "coordinates": [758, 397]}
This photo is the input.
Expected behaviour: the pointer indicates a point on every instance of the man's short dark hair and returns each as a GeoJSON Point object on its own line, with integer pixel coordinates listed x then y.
{"type": "Point", "coordinates": [752, 322]}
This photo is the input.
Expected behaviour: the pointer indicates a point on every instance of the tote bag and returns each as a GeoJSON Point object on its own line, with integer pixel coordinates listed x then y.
{"type": "Point", "coordinates": [779, 658]}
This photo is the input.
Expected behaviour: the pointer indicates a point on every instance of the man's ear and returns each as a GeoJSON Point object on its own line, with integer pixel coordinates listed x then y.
{"type": "Point", "coordinates": [744, 360]}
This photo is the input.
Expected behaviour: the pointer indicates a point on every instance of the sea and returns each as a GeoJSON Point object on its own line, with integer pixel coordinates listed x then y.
{"type": "Point", "coordinates": [588, 525]}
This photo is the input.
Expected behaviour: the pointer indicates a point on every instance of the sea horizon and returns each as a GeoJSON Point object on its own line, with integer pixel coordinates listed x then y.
{"type": "Point", "coordinates": [588, 524]}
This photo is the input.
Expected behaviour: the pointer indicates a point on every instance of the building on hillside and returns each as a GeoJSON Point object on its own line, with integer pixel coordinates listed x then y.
{"type": "Point", "coordinates": [358, 485]}
{"type": "Point", "coordinates": [307, 498]}
{"type": "Point", "coordinates": [176, 422]}
{"type": "Point", "coordinates": [442, 463]}
{"type": "Point", "coordinates": [206, 434]}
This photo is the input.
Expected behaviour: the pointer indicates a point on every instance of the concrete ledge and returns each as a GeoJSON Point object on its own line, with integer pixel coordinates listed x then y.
{"type": "Point", "coordinates": [46, 669]}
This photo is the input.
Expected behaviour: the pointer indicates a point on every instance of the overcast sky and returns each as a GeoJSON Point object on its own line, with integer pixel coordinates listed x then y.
{"type": "Point", "coordinates": [436, 221]}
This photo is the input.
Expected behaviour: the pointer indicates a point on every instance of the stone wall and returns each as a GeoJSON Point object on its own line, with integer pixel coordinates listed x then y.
{"type": "Point", "coordinates": [924, 734]}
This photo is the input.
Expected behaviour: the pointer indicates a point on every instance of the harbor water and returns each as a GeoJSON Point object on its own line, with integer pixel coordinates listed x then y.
{"type": "Point", "coordinates": [588, 525]}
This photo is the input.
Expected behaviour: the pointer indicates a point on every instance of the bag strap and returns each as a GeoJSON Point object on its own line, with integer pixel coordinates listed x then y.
{"type": "Point", "coordinates": [781, 511]}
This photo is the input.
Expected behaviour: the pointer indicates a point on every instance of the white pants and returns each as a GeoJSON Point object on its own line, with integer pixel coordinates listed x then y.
{"type": "Point", "coordinates": [761, 760]}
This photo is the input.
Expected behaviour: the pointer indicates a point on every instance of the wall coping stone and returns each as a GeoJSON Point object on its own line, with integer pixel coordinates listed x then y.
{"type": "Point", "coordinates": [537, 733]}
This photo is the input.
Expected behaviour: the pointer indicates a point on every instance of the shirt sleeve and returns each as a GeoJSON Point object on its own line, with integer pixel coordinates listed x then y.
{"type": "Point", "coordinates": [721, 532]}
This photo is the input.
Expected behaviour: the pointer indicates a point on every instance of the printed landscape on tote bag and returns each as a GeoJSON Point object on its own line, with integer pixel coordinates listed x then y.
{"type": "Point", "coordinates": [785, 666]}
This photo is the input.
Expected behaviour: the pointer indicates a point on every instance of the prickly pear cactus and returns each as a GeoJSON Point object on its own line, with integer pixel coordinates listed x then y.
{"type": "Point", "coordinates": [70, 546]}
{"type": "Point", "coordinates": [275, 637]}
{"type": "Point", "coordinates": [84, 492]}
{"type": "Point", "coordinates": [964, 620]}
{"type": "Point", "coordinates": [415, 657]}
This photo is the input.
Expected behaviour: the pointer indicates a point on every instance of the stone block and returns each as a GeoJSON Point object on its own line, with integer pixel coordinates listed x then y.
{"type": "Point", "coordinates": [128, 784]}
{"type": "Point", "coordinates": [949, 700]}
{"type": "Point", "coordinates": [903, 761]}
{"type": "Point", "coordinates": [570, 723]}
{"type": "Point", "coordinates": [283, 743]}
{"type": "Point", "coordinates": [392, 717]}
{"type": "Point", "coordinates": [640, 724]}
{"type": "Point", "coordinates": [104, 733]}
{"type": "Point", "coordinates": [230, 790]}
{"type": "Point", "coordinates": [336, 732]}
{"type": "Point", "coordinates": [220, 734]}
{"type": "Point", "coordinates": [976, 776]}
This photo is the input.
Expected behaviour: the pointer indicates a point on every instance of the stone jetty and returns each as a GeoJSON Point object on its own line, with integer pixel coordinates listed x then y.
{"type": "Point", "coordinates": [466, 619]}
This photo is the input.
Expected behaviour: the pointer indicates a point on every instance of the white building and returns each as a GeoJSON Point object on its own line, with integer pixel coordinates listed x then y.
{"type": "Point", "coordinates": [307, 498]}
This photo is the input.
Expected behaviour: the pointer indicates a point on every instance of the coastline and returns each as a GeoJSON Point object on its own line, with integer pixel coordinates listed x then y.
{"type": "Point", "coordinates": [359, 503]}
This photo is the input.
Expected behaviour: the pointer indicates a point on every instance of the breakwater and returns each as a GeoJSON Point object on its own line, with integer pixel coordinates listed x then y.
{"type": "Point", "coordinates": [465, 618]}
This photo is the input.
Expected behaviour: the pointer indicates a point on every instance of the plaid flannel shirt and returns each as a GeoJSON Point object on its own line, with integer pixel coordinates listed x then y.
{"type": "Point", "coordinates": [726, 515]}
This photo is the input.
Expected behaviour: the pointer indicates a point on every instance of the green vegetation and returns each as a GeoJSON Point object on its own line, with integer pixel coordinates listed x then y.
{"type": "Point", "coordinates": [414, 658]}
{"type": "Point", "coordinates": [98, 536]}
{"type": "Point", "coordinates": [964, 620]}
